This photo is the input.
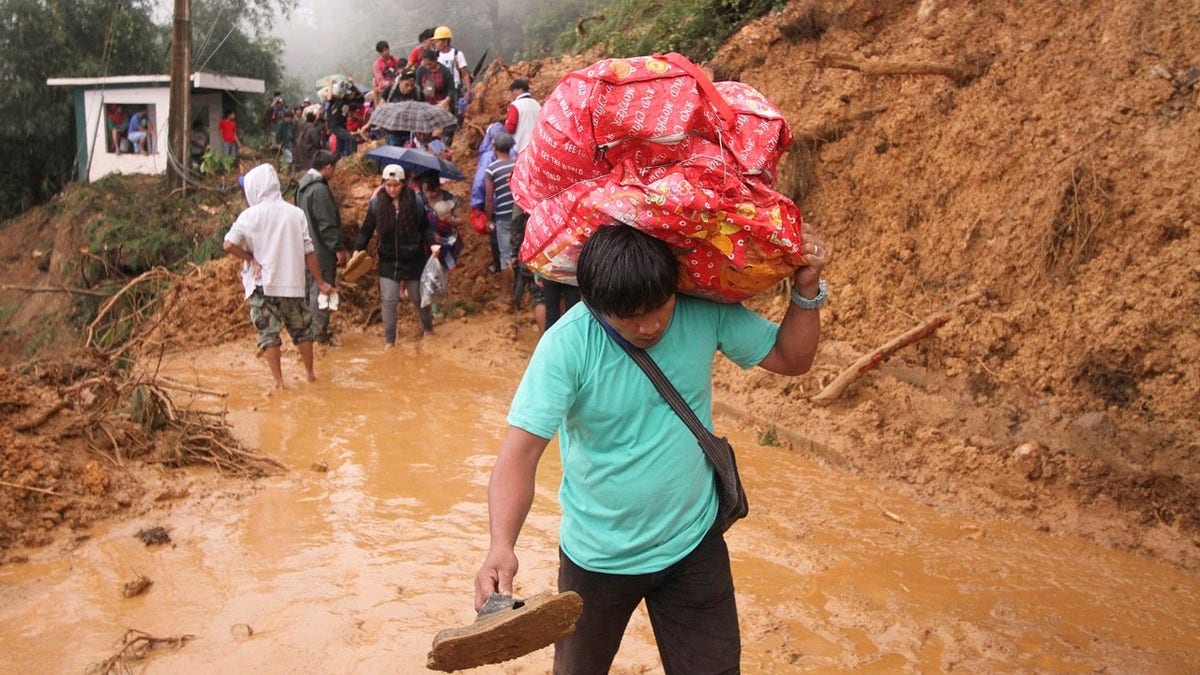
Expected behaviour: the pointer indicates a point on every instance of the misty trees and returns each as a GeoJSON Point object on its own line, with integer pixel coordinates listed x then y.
{"type": "Point", "coordinates": [41, 39]}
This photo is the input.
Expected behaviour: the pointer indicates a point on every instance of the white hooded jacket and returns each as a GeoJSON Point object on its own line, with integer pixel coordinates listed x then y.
{"type": "Point", "coordinates": [275, 233]}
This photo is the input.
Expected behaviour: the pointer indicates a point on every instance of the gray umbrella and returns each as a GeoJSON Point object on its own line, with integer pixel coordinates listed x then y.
{"type": "Point", "coordinates": [412, 116]}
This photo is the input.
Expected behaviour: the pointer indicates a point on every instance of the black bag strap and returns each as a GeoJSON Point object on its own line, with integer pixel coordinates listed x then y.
{"type": "Point", "coordinates": [709, 443]}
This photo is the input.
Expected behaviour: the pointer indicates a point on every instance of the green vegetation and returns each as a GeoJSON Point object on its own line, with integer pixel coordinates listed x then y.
{"type": "Point", "coordinates": [213, 164]}
{"type": "Point", "coordinates": [98, 38]}
{"type": "Point", "coordinates": [694, 28]}
{"type": "Point", "coordinates": [130, 226]}
{"type": "Point", "coordinates": [769, 437]}
{"type": "Point", "coordinates": [127, 231]}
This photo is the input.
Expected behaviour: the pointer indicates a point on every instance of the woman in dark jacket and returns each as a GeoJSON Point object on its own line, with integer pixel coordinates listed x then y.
{"type": "Point", "coordinates": [405, 239]}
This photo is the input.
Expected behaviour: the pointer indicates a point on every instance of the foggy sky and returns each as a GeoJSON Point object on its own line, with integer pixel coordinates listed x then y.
{"type": "Point", "coordinates": [322, 37]}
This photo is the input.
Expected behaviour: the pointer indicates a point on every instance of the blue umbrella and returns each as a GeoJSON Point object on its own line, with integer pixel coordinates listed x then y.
{"type": "Point", "coordinates": [415, 161]}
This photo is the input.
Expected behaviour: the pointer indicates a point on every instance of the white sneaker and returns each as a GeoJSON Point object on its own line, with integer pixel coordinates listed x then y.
{"type": "Point", "coordinates": [322, 301]}
{"type": "Point", "coordinates": [334, 301]}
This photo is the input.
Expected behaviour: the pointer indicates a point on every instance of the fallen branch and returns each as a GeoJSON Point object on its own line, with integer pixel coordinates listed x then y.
{"type": "Point", "coordinates": [156, 273]}
{"type": "Point", "coordinates": [168, 383]}
{"type": "Point", "coordinates": [30, 488]}
{"type": "Point", "coordinates": [960, 74]}
{"type": "Point", "coordinates": [873, 359]}
{"type": "Point", "coordinates": [40, 419]}
{"type": "Point", "coordinates": [581, 25]}
{"type": "Point", "coordinates": [54, 289]}
{"type": "Point", "coordinates": [135, 646]}
{"type": "Point", "coordinates": [137, 585]}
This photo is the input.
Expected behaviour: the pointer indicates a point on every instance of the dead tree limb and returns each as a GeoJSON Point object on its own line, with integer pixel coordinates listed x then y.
{"type": "Point", "coordinates": [959, 73]}
{"type": "Point", "coordinates": [873, 359]}
{"type": "Point", "coordinates": [156, 273]}
{"type": "Point", "coordinates": [40, 419]}
{"type": "Point", "coordinates": [581, 25]}
{"type": "Point", "coordinates": [168, 383]}
{"type": "Point", "coordinates": [54, 289]}
{"type": "Point", "coordinates": [28, 487]}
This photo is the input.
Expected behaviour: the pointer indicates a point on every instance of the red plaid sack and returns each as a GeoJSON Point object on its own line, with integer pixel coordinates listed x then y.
{"type": "Point", "coordinates": [651, 142]}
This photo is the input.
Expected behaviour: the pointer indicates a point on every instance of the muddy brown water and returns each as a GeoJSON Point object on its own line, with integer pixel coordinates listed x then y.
{"type": "Point", "coordinates": [355, 569]}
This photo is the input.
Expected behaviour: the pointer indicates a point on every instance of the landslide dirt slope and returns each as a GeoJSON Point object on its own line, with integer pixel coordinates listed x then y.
{"type": "Point", "coordinates": [1052, 196]}
{"type": "Point", "coordinates": [1028, 169]}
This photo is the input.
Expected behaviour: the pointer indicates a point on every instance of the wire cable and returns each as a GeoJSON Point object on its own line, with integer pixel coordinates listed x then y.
{"type": "Point", "coordinates": [211, 28]}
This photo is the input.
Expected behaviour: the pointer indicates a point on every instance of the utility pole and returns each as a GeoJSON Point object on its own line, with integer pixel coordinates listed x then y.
{"type": "Point", "coordinates": [181, 96]}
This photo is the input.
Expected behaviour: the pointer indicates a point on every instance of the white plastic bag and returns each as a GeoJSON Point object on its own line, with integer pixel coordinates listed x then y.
{"type": "Point", "coordinates": [433, 282]}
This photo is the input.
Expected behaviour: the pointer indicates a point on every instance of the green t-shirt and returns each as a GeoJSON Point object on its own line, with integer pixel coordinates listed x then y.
{"type": "Point", "coordinates": [637, 493]}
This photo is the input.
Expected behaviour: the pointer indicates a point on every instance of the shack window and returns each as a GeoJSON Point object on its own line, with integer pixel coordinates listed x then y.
{"type": "Point", "coordinates": [129, 128]}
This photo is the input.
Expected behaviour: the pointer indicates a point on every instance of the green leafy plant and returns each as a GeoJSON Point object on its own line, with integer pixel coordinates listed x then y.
{"type": "Point", "coordinates": [769, 437]}
{"type": "Point", "coordinates": [212, 164]}
{"type": "Point", "coordinates": [693, 28]}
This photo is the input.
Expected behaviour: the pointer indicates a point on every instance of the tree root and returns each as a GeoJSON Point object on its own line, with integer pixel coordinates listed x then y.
{"type": "Point", "coordinates": [135, 646]}
{"type": "Point", "coordinates": [54, 289]}
{"type": "Point", "coordinates": [961, 74]}
{"type": "Point", "coordinates": [28, 487]}
{"type": "Point", "coordinates": [876, 357]}
{"type": "Point", "coordinates": [30, 425]}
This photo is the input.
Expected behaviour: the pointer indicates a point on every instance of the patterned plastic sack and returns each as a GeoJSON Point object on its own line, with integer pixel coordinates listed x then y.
{"type": "Point", "coordinates": [652, 143]}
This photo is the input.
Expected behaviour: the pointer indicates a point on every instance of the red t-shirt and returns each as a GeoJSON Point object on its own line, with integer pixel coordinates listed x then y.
{"type": "Point", "coordinates": [385, 71]}
{"type": "Point", "coordinates": [228, 130]}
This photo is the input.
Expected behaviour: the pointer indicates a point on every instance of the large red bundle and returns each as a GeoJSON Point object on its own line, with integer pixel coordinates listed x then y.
{"type": "Point", "coordinates": [651, 142]}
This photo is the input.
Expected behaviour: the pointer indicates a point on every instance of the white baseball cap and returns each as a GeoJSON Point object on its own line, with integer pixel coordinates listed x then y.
{"type": "Point", "coordinates": [393, 172]}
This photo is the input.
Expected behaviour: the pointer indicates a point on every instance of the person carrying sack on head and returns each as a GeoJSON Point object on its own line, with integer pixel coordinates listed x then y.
{"type": "Point", "coordinates": [642, 515]}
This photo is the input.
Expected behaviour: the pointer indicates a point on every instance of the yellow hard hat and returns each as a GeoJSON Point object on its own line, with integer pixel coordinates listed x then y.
{"type": "Point", "coordinates": [442, 33]}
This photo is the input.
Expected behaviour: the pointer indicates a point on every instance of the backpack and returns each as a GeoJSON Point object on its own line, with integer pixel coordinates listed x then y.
{"type": "Point", "coordinates": [431, 83]}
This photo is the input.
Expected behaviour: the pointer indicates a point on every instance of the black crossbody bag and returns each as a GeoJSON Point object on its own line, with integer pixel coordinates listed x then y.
{"type": "Point", "coordinates": [732, 505]}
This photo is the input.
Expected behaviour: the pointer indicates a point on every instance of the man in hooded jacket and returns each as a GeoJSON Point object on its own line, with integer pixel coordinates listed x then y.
{"type": "Point", "coordinates": [315, 198]}
{"type": "Point", "coordinates": [271, 238]}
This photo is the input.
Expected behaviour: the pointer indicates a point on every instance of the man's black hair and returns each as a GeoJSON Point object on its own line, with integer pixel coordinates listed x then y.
{"type": "Point", "coordinates": [623, 272]}
{"type": "Point", "coordinates": [425, 34]}
{"type": "Point", "coordinates": [523, 85]}
{"type": "Point", "coordinates": [381, 45]}
{"type": "Point", "coordinates": [322, 159]}
{"type": "Point", "coordinates": [432, 178]}
{"type": "Point", "coordinates": [431, 54]}
{"type": "Point", "coordinates": [310, 117]}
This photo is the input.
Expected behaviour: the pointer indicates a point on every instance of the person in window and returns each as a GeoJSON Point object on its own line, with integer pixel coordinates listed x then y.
{"type": "Point", "coordinates": [141, 133]}
{"type": "Point", "coordinates": [117, 124]}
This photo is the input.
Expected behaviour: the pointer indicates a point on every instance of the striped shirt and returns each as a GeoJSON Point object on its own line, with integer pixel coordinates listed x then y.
{"type": "Point", "coordinates": [502, 198]}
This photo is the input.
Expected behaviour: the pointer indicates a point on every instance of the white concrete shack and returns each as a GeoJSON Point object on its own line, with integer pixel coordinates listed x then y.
{"type": "Point", "coordinates": [94, 97]}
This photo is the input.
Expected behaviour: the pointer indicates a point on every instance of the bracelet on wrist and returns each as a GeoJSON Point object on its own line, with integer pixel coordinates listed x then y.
{"type": "Point", "coordinates": [816, 302]}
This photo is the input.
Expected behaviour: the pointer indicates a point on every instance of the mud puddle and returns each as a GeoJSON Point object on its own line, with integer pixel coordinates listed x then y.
{"type": "Point", "coordinates": [353, 569]}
